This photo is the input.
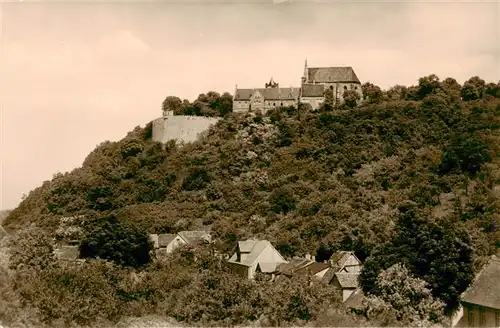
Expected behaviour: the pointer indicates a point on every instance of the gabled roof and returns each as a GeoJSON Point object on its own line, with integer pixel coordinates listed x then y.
{"type": "Point", "coordinates": [194, 236]}
{"type": "Point", "coordinates": [252, 249]}
{"type": "Point", "coordinates": [485, 289]}
{"type": "Point", "coordinates": [313, 268]}
{"type": "Point", "coordinates": [293, 266]}
{"type": "Point", "coordinates": [347, 280]}
{"type": "Point", "coordinates": [332, 74]}
{"type": "Point", "coordinates": [328, 276]}
{"type": "Point", "coordinates": [67, 253]}
{"type": "Point", "coordinates": [355, 300]}
{"type": "Point", "coordinates": [268, 93]}
{"type": "Point", "coordinates": [165, 239]}
{"type": "Point", "coordinates": [339, 259]}
{"type": "Point", "coordinates": [313, 90]}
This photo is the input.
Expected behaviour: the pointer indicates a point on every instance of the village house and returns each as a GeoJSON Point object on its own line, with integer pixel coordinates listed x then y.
{"type": "Point", "coordinates": [167, 243]}
{"type": "Point", "coordinates": [343, 273]}
{"type": "Point", "coordinates": [315, 83]}
{"type": "Point", "coordinates": [253, 256]}
{"type": "Point", "coordinates": [67, 253]}
{"type": "Point", "coordinates": [481, 300]}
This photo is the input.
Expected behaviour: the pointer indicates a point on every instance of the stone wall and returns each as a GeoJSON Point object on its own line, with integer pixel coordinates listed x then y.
{"type": "Point", "coordinates": [181, 128]}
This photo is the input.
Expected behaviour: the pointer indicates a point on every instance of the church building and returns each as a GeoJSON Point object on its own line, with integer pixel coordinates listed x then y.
{"type": "Point", "coordinates": [316, 82]}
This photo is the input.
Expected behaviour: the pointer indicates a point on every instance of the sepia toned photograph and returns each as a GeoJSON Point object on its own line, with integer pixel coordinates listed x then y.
{"type": "Point", "coordinates": [249, 163]}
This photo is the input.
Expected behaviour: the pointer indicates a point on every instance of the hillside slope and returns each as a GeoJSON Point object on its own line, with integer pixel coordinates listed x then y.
{"type": "Point", "coordinates": [301, 179]}
{"type": "Point", "coordinates": [312, 182]}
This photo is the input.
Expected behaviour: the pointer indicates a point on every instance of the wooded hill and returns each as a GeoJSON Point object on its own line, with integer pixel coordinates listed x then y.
{"type": "Point", "coordinates": [409, 176]}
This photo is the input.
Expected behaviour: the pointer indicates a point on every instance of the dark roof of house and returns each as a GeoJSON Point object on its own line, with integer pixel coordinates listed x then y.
{"type": "Point", "coordinates": [293, 266]}
{"type": "Point", "coordinates": [485, 289]}
{"type": "Point", "coordinates": [355, 300]}
{"type": "Point", "coordinates": [67, 253]}
{"type": "Point", "coordinates": [165, 238]}
{"type": "Point", "coordinates": [332, 74]}
{"type": "Point", "coordinates": [328, 276]}
{"type": "Point", "coordinates": [347, 280]}
{"type": "Point", "coordinates": [313, 268]}
{"type": "Point", "coordinates": [313, 90]}
{"type": "Point", "coordinates": [269, 93]}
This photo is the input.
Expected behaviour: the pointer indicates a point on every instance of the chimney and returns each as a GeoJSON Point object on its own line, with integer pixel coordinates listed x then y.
{"type": "Point", "coordinates": [308, 256]}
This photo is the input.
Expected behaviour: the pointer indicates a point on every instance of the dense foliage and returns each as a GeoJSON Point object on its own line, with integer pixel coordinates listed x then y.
{"type": "Point", "coordinates": [408, 177]}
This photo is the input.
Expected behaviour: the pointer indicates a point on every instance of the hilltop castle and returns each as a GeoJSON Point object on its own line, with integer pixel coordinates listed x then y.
{"type": "Point", "coordinates": [315, 82]}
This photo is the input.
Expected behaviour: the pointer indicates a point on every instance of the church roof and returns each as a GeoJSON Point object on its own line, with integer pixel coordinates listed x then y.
{"type": "Point", "coordinates": [331, 74]}
{"type": "Point", "coordinates": [313, 90]}
{"type": "Point", "coordinates": [269, 93]}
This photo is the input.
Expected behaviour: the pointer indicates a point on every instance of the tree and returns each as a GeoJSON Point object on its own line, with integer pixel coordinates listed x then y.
{"type": "Point", "coordinates": [493, 89]}
{"type": "Point", "coordinates": [351, 98]}
{"type": "Point", "coordinates": [467, 153]}
{"type": "Point", "coordinates": [473, 89]}
{"type": "Point", "coordinates": [31, 248]}
{"type": "Point", "coordinates": [427, 85]}
{"type": "Point", "coordinates": [372, 94]}
{"type": "Point", "coordinates": [329, 99]}
{"type": "Point", "coordinates": [172, 103]}
{"type": "Point", "coordinates": [408, 296]}
{"type": "Point", "coordinates": [123, 244]}
{"type": "Point", "coordinates": [440, 254]}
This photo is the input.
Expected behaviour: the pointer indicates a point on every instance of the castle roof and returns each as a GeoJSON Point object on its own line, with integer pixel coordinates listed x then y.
{"type": "Point", "coordinates": [268, 93]}
{"type": "Point", "coordinates": [331, 74]}
{"type": "Point", "coordinates": [313, 90]}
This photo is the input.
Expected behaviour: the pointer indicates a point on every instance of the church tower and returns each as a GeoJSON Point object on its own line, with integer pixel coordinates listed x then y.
{"type": "Point", "coordinates": [304, 76]}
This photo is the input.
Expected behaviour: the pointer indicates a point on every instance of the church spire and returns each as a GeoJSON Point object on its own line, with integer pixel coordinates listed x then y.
{"type": "Point", "coordinates": [304, 77]}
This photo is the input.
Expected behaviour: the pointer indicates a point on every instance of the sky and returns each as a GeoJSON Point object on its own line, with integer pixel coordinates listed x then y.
{"type": "Point", "coordinates": [74, 74]}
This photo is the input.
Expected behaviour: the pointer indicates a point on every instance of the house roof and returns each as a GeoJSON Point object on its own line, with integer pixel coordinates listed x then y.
{"type": "Point", "coordinates": [67, 253]}
{"type": "Point", "coordinates": [194, 236]}
{"type": "Point", "coordinates": [293, 266]}
{"type": "Point", "coordinates": [328, 276]}
{"type": "Point", "coordinates": [269, 93]}
{"type": "Point", "coordinates": [355, 300]}
{"type": "Point", "coordinates": [253, 248]}
{"type": "Point", "coordinates": [165, 238]}
{"type": "Point", "coordinates": [332, 74]}
{"type": "Point", "coordinates": [313, 268]}
{"type": "Point", "coordinates": [339, 259]}
{"type": "Point", "coordinates": [485, 289]}
{"type": "Point", "coordinates": [347, 280]}
{"type": "Point", "coordinates": [313, 90]}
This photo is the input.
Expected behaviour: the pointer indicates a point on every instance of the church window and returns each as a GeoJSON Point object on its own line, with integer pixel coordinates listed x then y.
{"type": "Point", "coordinates": [274, 104]}
{"type": "Point", "coordinates": [355, 88]}
{"type": "Point", "coordinates": [281, 104]}
{"type": "Point", "coordinates": [345, 87]}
